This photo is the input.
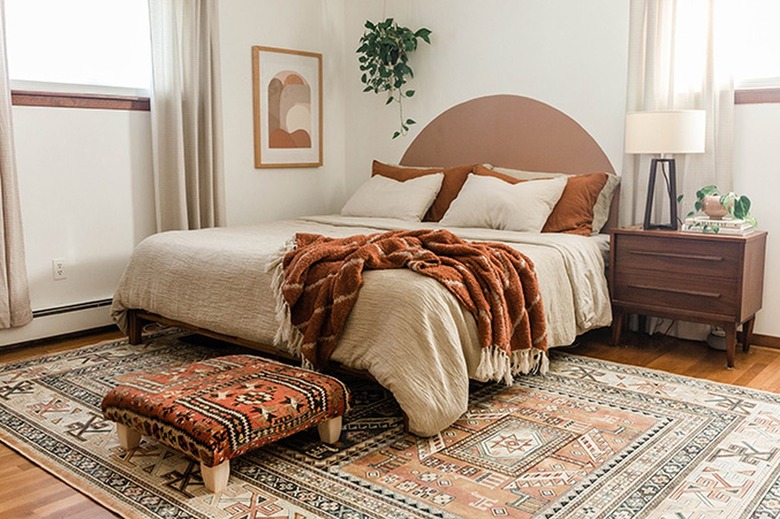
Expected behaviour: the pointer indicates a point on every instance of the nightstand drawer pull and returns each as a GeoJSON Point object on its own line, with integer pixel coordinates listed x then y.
{"type": "Point", "coordinates": [676, 256]}
{"type": "Point", "coordinates": [714, 295]}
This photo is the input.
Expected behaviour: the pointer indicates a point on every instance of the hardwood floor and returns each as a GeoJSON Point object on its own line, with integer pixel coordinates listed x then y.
{"type": "Point", "coordinates": [758, 369]}
{"type": "Point", "coordinates": [28, 491]}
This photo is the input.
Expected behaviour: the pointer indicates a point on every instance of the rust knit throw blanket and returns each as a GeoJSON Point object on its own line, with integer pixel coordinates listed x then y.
{"type": "Point", "coordinates": [319, 279]}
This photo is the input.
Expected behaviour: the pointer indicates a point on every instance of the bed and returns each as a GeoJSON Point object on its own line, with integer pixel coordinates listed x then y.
{"type": "Point", "coordinates": [217, 281]}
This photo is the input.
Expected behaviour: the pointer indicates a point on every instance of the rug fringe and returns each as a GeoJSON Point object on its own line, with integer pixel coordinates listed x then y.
{"type": "Point", "coordinates": [496, 365]}
{"type": "Point", "coordinates": [286, 331]}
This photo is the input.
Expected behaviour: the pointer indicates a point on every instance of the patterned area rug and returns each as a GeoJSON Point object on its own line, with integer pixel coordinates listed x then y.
{"type": "Point", "coordinates": [590, 439]}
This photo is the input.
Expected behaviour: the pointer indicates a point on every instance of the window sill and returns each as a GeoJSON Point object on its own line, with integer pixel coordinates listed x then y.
{"type": "Point", "coordinates": [86, 101]}
{"type": "Point", "coordinates": [749, 96]}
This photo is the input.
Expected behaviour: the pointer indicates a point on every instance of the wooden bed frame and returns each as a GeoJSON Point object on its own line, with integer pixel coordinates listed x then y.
{"type": "Point", "coordinates": [138, 319]}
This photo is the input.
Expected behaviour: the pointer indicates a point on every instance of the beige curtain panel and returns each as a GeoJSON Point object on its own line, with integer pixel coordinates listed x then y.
{"type": "Point", "coordinates": [186, 114]}
{"type": "Point", "coordinates": [14, 295]}
{"type": "Point", "coordinates": [674, 64]}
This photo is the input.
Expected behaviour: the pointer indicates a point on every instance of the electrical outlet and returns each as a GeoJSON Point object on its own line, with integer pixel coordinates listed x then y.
{"type": "Point", "coordinates": [58, 269]}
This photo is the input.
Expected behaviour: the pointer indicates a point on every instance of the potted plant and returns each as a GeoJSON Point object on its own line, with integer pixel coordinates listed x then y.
{"type": "Point", "coordinates": [384, 59]}
{"type": "Point", "coordinates": [717, 205]}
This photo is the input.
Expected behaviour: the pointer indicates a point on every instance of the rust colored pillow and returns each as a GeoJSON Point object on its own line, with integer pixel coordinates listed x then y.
{"type": "Point", "coordinates": [454, 178]}
{"type": "Point", "coordinates": [573, 214]}
{"type": "Point", "coordinates": [486, 172]}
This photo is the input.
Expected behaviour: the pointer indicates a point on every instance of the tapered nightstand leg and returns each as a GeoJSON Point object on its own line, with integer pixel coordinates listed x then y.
{"type": "Point", "coordinates": [747, 333]}
{"type": "Point", "coordinates": [618, 316]}
{"type": "Point", "coordinates": [731, 344]}
{"type": "Point", "coordinates": [642, 323]}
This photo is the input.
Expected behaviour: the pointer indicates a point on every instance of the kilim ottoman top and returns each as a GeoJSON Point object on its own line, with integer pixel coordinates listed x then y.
{"type": "Point", "coordinates": [220, 408]}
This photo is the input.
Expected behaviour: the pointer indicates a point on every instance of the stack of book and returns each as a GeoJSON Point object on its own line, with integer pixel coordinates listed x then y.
{"type": "Point", "coordinates": [705, 224]}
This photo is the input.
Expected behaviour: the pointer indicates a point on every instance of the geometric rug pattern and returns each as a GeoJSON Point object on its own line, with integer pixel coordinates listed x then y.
{"type": "Point", "coordinates": [589, 439]}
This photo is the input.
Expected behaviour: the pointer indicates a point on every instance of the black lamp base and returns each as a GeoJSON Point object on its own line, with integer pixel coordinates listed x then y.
{"type": "Point", "coordinates": [671, 188]}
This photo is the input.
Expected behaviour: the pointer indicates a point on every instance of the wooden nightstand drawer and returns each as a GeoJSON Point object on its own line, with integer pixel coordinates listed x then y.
{"type": "Point", "coordinates": [711, 259]}
{"type": "Point", "coordinates": [716, 296]}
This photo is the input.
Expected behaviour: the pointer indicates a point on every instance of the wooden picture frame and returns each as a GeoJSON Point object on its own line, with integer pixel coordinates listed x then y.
{"type": "Point", "coordinates": [287, 92]}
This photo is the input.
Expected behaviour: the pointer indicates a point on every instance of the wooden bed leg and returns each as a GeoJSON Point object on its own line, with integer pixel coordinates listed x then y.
{"type": "Point", "coordinates": [330, 430]}
{"type": "Point", "coordinates": [135, 327]}
{"type": "Point", "coordinates": [215, 478]}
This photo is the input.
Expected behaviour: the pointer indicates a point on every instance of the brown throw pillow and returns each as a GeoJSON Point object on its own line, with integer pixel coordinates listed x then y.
{"type": "Point", "coordinates": [487, 172]}
{"type": "Point", "coordinates": [454, 178]}
{"type": "Point", "coordinates": [573, 214]}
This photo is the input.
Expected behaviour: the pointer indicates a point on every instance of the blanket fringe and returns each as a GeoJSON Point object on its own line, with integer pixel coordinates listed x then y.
{"type": "Point", "coordinates": [496, 365]}
{"type": "Point", "coordinates": [286, 331]}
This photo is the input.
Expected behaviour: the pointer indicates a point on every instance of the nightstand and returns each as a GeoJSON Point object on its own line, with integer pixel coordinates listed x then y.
{"type": "Point", "coordinates": [708, 278]}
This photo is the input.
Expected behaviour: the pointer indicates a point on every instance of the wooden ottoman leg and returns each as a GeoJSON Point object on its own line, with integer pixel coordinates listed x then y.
{"type": "Point", "coordinates": [330, 430]}
{"type": "Point", "coordinates": [215, 478]}
{"type": "Point", "coordinates": [128, 438]}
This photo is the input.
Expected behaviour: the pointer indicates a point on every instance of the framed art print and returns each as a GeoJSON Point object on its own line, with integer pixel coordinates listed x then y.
{"type": "Point", "coordinates": [287, 89]}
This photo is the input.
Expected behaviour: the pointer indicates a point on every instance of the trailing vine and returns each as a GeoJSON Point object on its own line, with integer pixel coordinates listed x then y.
{"type": "Point", "coordinates": [384, 60]}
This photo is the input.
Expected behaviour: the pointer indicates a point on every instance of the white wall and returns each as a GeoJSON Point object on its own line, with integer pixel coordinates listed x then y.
{"type": "Point", "coordinates": [256, 195]}
{"type": "Point", "coordinates": [85, 181]}
{"type": "Point", "coordinates": [571, 55]}
{"type": "Point", "coordinates": [757, 174]}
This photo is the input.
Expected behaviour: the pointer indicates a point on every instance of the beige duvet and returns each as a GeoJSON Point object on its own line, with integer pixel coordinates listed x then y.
{"type": "Point", "coordinates": [406, 330]}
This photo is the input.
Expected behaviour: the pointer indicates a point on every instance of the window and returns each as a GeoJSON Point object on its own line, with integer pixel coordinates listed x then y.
{"type": "Point", "coordinates": [754, 42]}
{"type": "Point", "coordinates": [746, 41]}
{"type": "Point", "coordinates": [89, 43]}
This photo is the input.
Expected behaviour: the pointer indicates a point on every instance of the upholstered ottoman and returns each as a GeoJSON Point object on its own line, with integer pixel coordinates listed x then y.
{"type": "Point", "coordinates": [217, 409]}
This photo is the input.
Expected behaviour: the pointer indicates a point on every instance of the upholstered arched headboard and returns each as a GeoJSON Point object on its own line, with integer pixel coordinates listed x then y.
{"type": "Point", "coordinates": [513, 132]}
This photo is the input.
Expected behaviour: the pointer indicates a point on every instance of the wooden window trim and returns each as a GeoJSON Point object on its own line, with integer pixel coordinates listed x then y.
{"type": "Point", "coordinates": [115, 102]}
{"type": "Point", "coordinates": [749, 96]}
{"type": "Point", "coordinates": [89, 101]}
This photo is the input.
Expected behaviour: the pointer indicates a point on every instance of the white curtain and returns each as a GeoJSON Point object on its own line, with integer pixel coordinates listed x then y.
{"type": "Point", "coordinates": [186, 114]}
{"type": "Point", "coordinates": [676, 61]}
{"type": "Point", "coordinates": [14, 295]}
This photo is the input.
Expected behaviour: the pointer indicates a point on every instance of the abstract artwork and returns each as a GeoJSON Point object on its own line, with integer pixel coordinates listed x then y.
{"type": "Point", "coordinates": [287, 89]}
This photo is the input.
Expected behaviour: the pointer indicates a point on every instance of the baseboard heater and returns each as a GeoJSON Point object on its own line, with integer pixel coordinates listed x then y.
{"type": "Point", "coordinates": [56, 310]}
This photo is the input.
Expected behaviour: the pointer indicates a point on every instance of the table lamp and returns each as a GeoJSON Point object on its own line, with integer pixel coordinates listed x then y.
{"type": "Point", "coordinates": [664, 132]}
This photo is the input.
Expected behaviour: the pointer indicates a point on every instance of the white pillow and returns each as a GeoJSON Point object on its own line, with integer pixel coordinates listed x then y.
{"type": "Point", "coordinates": [384, 197]}
{"type": "Point", "coordinates": [490, 202]}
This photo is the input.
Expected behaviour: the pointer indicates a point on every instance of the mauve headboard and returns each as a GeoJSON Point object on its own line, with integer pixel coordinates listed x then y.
{"type": "Point", "coordinates": [509, 131]}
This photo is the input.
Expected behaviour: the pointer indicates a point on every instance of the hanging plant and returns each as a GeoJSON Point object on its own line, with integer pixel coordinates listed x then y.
{"type": "Point", "coordinates": [384, 55]}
